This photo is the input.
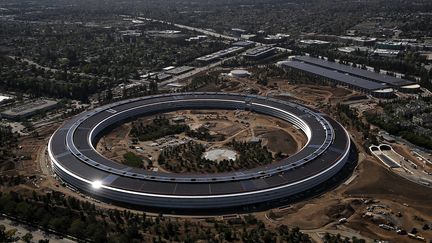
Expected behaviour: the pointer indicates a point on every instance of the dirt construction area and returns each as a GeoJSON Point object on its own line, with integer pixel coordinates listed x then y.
{"type": "Point", "coordinates": [372, 203]}
{"type": "Point", "coordinates": [277, 135]}
{"type": "Point", "coordinates": [374, 197]}
{"type": "Point", "coordinates": [371, 197]}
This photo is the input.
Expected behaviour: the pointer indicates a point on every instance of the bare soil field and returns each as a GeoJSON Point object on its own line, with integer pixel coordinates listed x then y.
{"type": "Point", "coordinates": [401, 195]}
{"type": "Point", "coordinates": [277, 135]}
{"type": "Point", "coordinates": [29, 148]}
{"type": "Point", "coordinates": [371, 180]}
{"type": "Point", "coordinates": [115, 144]}
{"type": "Point", "coordinates": [381, 181]}
{"type": "Point", "coordinates": [376, 184]}
{"type": "Point", "coordinates": [406, 152]}
{"type": "Point", "coordinates": [280, 141]}
{"type": "Point", "coordinates": [319, 94]}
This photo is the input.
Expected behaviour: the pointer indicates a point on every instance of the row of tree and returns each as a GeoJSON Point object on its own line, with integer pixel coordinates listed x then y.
{"type": "Point", "coordinates": [71, 217]}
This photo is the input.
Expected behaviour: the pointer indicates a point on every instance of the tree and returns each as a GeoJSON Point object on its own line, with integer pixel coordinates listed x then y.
{"type": "Point", "coordinates": [77, 227]}
{"type": "Point", "coordinates": [7, 236]}
{"type": "Point", "coordinates": [425, 80]}
{"type": "Point", "coordinates": [153, 87]}
{"type": "Point", "coordinates": [262, 81]}
{"type": "Point", "coordinates": [27, 237]}
{"type": "Point", "coordinates": [109, 94]}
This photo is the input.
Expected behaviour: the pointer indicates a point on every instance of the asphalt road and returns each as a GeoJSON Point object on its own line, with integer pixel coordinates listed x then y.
{"type": "Point", "coordinates": [37, 65]}
{"type": "Point", "coordinates": [192, 73]}
{"type": "Point", "coordinates": [203, 31]}
{"type": "Point", "coordinates": [208, 33]}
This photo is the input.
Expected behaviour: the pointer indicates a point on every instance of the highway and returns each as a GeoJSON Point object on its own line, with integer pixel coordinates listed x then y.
{"type": "Point", "coordinates": [208, 33]}
{"type": "Point", "coordinates": [199, 69]}
{"type": "Point", "coordinates": [203, 31]}
{"type": "Point", "coordinates": [192, 73]}
{"type": "Point", "coordinates": [54, 70]}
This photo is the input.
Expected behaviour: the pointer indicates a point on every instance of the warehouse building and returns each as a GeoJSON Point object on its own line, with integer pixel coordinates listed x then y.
{"type": "Point", "coordinates": [28, 109]}
{"type": "Point", "coordinates": [160, 76]}
{"type": "Point", "coordinates": [314, 43]}
{"type": "Point", "coordinates": [244, 43]}
{"type": "Point", "coordinates": [179, 70]}
{"type": "Point", "coordinates": [360, 41]}
{"type": "Point", "coordinates": [392, 45]}
{"type": "Point", "coordinates": [379, 90]}
{"type": "Point", "coordinates": [356, 72]}
{"type": "Point", "coordinates": [259, 52]}
{"type": "Point", "coordinates": [220, 54]}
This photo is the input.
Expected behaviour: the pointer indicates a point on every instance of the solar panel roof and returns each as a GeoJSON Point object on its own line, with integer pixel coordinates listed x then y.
{"type": "Point", "coordinates": [361, 73]}
{"type": "Point", "coordinates": [340, 77]}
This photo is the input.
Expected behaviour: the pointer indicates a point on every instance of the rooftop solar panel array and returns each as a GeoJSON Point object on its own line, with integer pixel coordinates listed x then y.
{"type": "Point", "coordinates": [334, 75]}
{"type": "Point", "coordinates": [323, 156]}
{"type": "Point", "coordinates": [357, 72]}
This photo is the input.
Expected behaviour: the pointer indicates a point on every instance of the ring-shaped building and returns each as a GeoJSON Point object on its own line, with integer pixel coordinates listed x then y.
{"type": "Point", "coordinates": [76, 162]}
